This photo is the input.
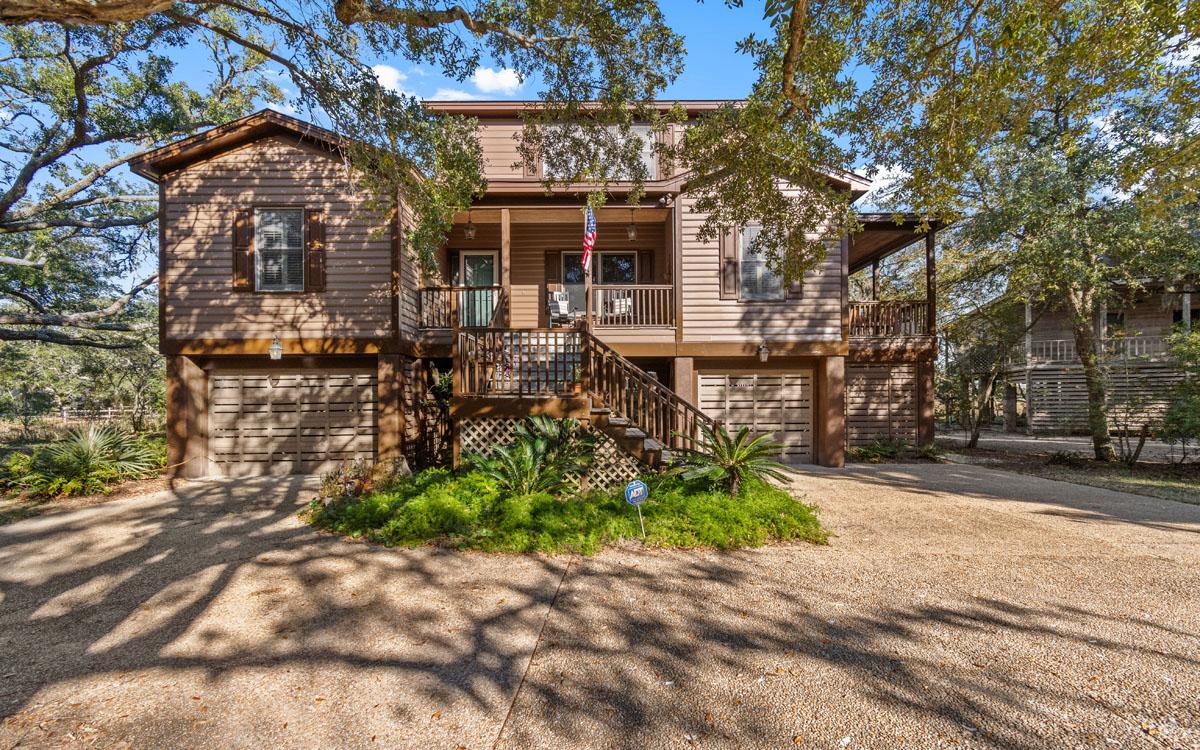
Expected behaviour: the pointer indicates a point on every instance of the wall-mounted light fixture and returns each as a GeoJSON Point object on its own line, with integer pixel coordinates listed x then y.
{"type": "Point", "coordinates": [763, 353]}
{"type": "Point", "coordinates": [469, 229]}
{"type": "Point", "coordinates": [631, 230]}
{"type": "Point", "coordinates": [275, 350]}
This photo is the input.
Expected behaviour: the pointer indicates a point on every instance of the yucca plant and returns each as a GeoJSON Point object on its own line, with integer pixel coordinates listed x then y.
{"type": "Point", "coordinates": [567, 444]}
{"type": "Point", "coordinates": [729, 460]}
{"type": "Point", "coordinates": [87, 461]}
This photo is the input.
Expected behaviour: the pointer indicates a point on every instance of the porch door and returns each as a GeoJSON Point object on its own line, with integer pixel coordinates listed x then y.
{"type": "Point", "coordinates": [607, 268]}
{"type": "Point", "coordinates": [475, 306]}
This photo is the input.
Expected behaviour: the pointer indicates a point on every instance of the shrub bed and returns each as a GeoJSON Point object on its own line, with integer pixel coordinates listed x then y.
{"type": "Point", "coordinates": [468, 510]}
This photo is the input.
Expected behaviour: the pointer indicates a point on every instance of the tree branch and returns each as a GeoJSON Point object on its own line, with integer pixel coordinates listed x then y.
{"type": "Point", "coordinates": [58, 337]}
{"type": "Point", "coordinates": [797, 33]}
{"type": "Point", "coordinates": [91, 12]}
{"type": "Point", "coordinates": [68, 221]}
{"type": "Point", "coordinates": [351, 12]}
{"type": "Point", "coordinates": [87, 319]}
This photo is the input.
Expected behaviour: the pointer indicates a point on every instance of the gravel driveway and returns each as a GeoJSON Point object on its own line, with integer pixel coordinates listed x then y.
{"type": "Point", "coordinates": [956, 606]}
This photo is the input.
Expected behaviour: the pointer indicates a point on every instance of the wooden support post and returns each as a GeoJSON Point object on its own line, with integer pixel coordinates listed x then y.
{"type": "Point", "coordinates": [931, 281]}
{"type": "Point", "coordinates": [875, 280]}
{"type": "Point", "coordinates": [389, 408]}
{"type": "Point", "coordinates": [676, 248]}
{"type": "Point", "coordinates": [830, 409]}
{"type": "Point", "coordinates": [1010, 407]}
{"type": "Point", "coordinates": [1028, 368]}
{"type": "Point", "coordinates": [506, 266]}
{"type": "Point", "coordinates": [1187, 311]}
{"type": "Point", "coordinates": [925, 402]}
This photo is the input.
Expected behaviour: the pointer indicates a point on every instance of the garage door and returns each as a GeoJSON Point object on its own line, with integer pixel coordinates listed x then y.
{"type": "Point", "coordinates": [780, 404]}
{"type": "Point", "coordinates": [881, 402]}
{"type": "Point", "coordinates": [290, 421]}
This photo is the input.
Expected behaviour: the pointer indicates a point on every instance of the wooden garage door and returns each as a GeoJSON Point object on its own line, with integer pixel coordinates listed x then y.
{"type": "Point", "coordinates": [290, 421]}
{"type": "Point", "coordinates": [881, 402]}
{"type": "Point", "coordinates": [780, 404]}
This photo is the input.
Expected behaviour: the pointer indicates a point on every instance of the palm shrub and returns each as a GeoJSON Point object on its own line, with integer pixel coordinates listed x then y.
{"type": "Point", "coordinates": [546, 455]}
{"type": "Point", "coordinates": [729, 460]}
{"type": "Point", "coordinates": [87, 461]}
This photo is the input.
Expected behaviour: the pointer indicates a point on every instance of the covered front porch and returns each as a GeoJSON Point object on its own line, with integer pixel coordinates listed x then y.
{"type": "Point", "coordinates": [521, 268]}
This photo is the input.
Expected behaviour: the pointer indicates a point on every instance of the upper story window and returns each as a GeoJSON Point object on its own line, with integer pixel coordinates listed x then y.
{"type": "Point", "coordinates": [758, 281]}
{"type": "Point", "coordinates": [1114, 323]}
{"type": "Point", "coordinates": [279, 249]}
{"type": "Point", "coordinates": [641, 132]}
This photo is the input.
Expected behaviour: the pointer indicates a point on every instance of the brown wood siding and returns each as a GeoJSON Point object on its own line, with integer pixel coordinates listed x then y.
{"type": "Point", "coordinates": [1137, 394]}
{"type": "Point", "coordinates": [881, 402]}
{"type": "Point", "coordinates": [1150, 316]}
{"type": "Point", "coordinates": [410, 276]}
{"type": "Point", "coordinates": [815, 314]}
{"type": "Point", "coordinates": [201, 202]}
{"type": "Point", "coordinates": [779, 404]}
{"type": "Point", "coordinates": [499, 138]}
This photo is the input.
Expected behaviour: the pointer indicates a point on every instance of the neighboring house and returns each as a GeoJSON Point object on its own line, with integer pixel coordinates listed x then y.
{"type": "Point", "coordinates": [265, 238]}
{"type": "Point", "coordinates": [1139, 370]}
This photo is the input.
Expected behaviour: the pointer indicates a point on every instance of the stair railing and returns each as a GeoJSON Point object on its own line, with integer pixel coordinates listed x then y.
{"type": "Point", "coordinates": [639, 397]}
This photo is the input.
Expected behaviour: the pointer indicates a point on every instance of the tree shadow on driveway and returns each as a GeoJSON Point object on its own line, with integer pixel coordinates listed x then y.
{"type": "Point", "coordinates": [211, 616]}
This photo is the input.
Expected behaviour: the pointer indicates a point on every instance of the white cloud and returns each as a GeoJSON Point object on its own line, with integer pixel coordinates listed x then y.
{"type": "Point", "coordinates": [390, 78]}
{"type": "Point", "coordinates": [282, 107]}
{"type": "Point", "coordinates": [450, 95]}
{"type": "Point", "coordinates": [504, 81]}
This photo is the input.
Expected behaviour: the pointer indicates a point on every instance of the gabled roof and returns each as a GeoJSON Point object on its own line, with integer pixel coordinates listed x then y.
{"type": "Point", "coordinates": [221, 138]}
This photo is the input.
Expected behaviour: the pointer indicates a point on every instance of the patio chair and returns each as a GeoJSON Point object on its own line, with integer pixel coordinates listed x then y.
{"type": "Point", "coordinates": [559, 304]}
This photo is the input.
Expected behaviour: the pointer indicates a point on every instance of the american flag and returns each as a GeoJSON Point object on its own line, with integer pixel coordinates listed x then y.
{"type": "Point", "coordinates": [589, 238]}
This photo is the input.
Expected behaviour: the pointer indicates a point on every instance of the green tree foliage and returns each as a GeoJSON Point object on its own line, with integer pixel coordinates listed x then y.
{"type": "Point", "coordinates": [1181, 423]}
{"type": "Point", "coordinates": [546, 455]}
{"type": "Point", "coordinates": [78, 103]}
{"type": "Point", "coordinates": [615, 55]}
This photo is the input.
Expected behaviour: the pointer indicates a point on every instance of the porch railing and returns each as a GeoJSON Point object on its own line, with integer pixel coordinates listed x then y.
{"type": "Point", "coordinates": [633, 305]}
{"type": "Point", "coordinates": [548, 362]}
{"type": "Point", "coordinates": [526, 363]}
{"type": "Point", "coordinates": [1063, 350]}
{"type": "Point", "coordinates": [634, 394]}
{"type": "Point", "coordinates": [886, 318]}
{"type": "Point", "coordinates": [461, 306]}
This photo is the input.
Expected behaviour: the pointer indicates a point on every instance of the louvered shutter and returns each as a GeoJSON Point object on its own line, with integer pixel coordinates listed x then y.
{"type": "Point", "coordinates": [243, 249]}
{"type": "Point", "coordinates": [314, 250]}
{"type": "Point", "coordinates": [729, 265]}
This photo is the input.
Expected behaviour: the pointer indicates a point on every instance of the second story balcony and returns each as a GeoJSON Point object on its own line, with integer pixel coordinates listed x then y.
{"type": "Point", "coordinates": [875, 319]}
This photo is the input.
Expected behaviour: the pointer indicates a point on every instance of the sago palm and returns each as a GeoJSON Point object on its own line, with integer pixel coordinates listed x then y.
{"type": "Point", "coordinates": [520, 468]}
{"type": "Point", "coordinates": [730, 460]}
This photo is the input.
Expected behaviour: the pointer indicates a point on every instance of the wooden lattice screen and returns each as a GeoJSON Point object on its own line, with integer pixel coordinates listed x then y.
{"type": "Point", "coordinates": [612, 466]}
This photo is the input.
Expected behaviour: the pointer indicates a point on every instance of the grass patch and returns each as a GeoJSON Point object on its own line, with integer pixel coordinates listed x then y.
{"type": "Point", "coordinates": [468, 511]}
{"type": "Point", "coordinates": [889, 450]}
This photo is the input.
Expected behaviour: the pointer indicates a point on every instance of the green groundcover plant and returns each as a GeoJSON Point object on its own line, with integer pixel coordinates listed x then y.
{"type": "Point", "coordinates": [87, 461]}
{"type": "Point", "coordinates": [470, 510]}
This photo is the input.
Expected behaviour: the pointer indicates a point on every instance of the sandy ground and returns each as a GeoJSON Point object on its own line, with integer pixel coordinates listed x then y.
{"type": "Point", "coordinates": [957, 606]}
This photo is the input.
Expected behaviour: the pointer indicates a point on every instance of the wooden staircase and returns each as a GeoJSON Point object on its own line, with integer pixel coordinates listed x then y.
{"type": "Point", "coordinates": [644, 417]}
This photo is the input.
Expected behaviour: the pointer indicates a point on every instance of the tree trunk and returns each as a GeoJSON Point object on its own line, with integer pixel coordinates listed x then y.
{"type": "Point", "coordinates": [1090, 353]}
{"type": "Point", "coordinates": [979, 409]}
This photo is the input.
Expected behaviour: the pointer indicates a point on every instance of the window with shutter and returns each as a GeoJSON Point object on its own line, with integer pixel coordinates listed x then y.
{"type": "Point", "coordinates": [758, 281]}
{"type": "Point", "coordinates": [279, 249]}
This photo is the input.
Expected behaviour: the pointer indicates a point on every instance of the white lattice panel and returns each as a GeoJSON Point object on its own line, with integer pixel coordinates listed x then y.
{"type": "Point", "coordinates": [612, 466]}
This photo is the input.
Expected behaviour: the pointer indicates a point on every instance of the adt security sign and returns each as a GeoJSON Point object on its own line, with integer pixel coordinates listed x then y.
{"type": "Point", "coordinates": [636, 493]}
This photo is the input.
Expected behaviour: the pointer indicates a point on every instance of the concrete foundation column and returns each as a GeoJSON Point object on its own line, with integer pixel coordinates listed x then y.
{"type": "Point", "coordinates": [187, 418]}
{"type": "Point", "coordinates": [830, 412]}
{"type": "Point", "coordinates": [685, 378]}
{"type": "Point", "coordinates": [390, 411]}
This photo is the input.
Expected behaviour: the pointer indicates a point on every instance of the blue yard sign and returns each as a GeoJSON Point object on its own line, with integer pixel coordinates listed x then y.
{"type": "Point", "coordinates": [636, 493]}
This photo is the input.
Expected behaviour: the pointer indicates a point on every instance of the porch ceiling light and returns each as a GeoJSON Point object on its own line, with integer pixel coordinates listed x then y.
{"type": "Point", "coordinates": [763, 353]}
{"type": "Point", "coordinates": [631, 230]}
{"type": "Point", "coordinates": [469, 229]}
{"type": "Point", "coordinates": [275, 350]}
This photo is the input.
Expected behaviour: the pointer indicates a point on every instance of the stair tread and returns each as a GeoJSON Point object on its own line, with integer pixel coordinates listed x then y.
{"type": "Point", "coordinates": [634, 432]}
{"type": "Point", "coordinates": [618, 421]}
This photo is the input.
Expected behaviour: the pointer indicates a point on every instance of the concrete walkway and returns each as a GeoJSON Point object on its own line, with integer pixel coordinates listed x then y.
{"type": "Point", "coordinates": [1154, 450]}
{"type": "Point", "coordinates": [957, 606]}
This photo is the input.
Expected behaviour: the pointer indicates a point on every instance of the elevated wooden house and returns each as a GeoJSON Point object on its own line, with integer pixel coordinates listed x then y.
{"type": "Point", "coordinates": [265, 239]}
{"type": "Point", "coordinates": [1045, 373]}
